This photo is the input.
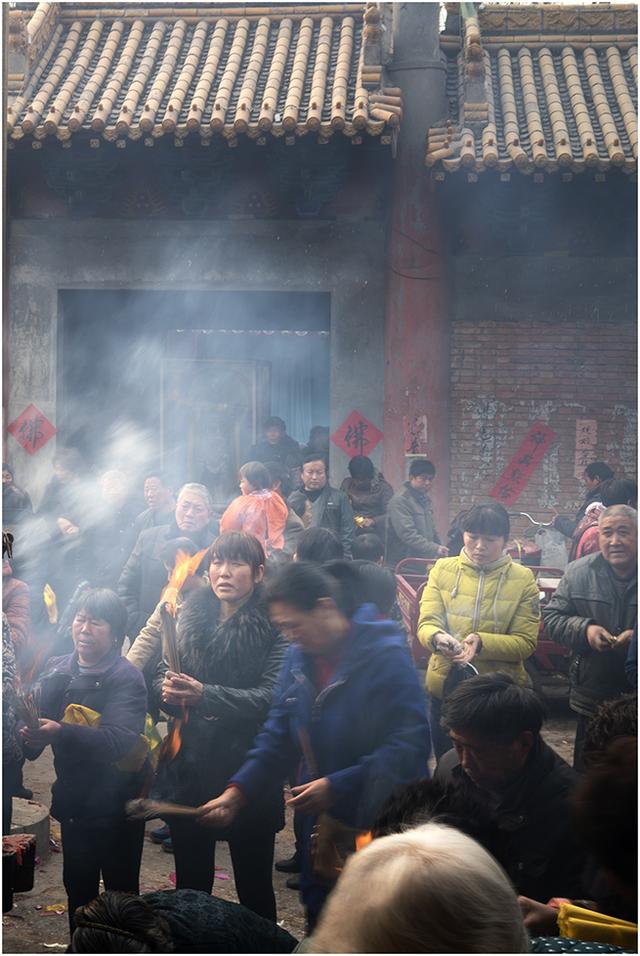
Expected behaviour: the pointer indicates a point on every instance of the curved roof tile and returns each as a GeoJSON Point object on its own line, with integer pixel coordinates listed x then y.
{"type": "Point", "coordinates": [128, 72]}
{"type": "Point", "coordinates": [564, 97]}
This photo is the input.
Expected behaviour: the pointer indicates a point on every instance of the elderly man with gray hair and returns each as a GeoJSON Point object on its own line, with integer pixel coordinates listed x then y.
{"type": "Point", "coordinates": [144, 575]}
{"type": "Point", "coordinates": [593, 613]}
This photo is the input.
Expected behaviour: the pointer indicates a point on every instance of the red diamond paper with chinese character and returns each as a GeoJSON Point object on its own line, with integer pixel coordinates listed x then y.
{"type": "Point", "coordinates": [530, 453]}
{"type": "Point", "coordinates": [31, 429]}
{"type": "Point", "coordinates": [357, 435]}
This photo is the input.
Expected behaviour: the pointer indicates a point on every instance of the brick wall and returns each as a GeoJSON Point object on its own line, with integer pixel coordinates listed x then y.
{"type": "Point", "coordinates": [507, 374]}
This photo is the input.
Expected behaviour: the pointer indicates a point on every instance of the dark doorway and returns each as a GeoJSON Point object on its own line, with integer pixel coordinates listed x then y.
{"type": "Point", "coordinates": [136, 365]}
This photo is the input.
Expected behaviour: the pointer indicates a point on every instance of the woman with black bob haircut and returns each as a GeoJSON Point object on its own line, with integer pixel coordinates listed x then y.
{"type": "Point", "coordinates": [230, 658]}
{"type": "Point", "coordinates": [479, 608]}
{"type": "Point", "coordinates": [93, 704]}
{"type": "Point", "coordinates": [489, 519]}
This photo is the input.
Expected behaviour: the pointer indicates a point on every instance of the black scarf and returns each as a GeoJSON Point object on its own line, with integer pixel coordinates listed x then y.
{"type": "Point", "coordinates": [223, 652]}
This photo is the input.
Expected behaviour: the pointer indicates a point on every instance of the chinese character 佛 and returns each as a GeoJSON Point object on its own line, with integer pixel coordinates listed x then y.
{"type": "Point", "coordinates": [31, 430]}
{"type": "Point", "coordinates": [354, 436]}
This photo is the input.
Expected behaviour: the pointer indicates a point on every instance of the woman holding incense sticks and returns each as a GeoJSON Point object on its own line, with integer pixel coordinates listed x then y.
{"type": "Point", "coordinates": [230, 657]}
{"type": "Point", "coordinates": [93, 704]}
{"type": "Point", "coordinates": [348, 710]}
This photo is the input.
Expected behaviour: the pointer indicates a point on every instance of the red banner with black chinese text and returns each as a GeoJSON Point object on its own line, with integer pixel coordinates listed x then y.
{"type": "Point", "coordinates": [530, 453]}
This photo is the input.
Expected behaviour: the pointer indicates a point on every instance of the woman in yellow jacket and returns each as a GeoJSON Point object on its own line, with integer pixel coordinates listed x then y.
{"type": "Point", "coordinates": [478, 607]}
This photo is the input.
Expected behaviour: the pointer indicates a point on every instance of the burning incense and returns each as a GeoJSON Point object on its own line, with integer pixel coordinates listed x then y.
{"type": "Point", "coordinates": [185, 566]}
{"type": "Point", "coordinates": [29, 706]}
{"type": "Point", "coordinates": [150, 809]}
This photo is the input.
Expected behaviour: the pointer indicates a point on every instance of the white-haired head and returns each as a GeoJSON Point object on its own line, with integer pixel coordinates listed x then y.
{"type": "Point", "coordinates": [194, 508]}
{"type": "Point", "coordinates": [193, 488]}
{"type": "Point", "coordinates": [625, 511]}
{"type": "Point", "coordinates": [431, 889]}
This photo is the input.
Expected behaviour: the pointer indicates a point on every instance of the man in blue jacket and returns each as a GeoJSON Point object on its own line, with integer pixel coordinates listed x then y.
{"type": "Point", "coordinates": [349, 705]}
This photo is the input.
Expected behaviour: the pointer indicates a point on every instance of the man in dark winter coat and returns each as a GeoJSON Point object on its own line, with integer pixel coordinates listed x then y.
{"type": "Point", "coordinates": [500, 762]}
{"type": "Point", "coordinates": [593, 613]}
{"type": "Point", "coordinates": [322, 506]}
{"type": "Point", "coordinates": [369, 495]}
{"type": "Point", "coordinates": [348, 709]}
{"type": "Point", "coordinates": [144, 575]}
{"type": "Point", "coordinates": [411, 531]}
{"type": "Point", "coordinates": [276, 445]}
{"type": "Point", "coordinates": [161, 503]}
{"type": "Point", "coordinates": [594, 475]}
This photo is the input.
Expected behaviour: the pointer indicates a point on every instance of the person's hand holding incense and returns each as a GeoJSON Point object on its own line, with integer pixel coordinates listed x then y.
{"type": "Point", "coordinates": [470, 647]}
{"type": "Point", "coordinates": [624, 638]}
{"type": "Point", "coordinates": [44, 734]}
{"type": "Point", "coordinates": [222, 811]}
{"type": "Point", "coordinates": [312, 797]}
{"type": "Point", "coordinates": [181, 689]}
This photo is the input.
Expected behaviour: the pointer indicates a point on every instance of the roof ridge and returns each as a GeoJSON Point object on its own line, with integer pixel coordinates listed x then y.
{"type": "Point", "coordinates": [517, 21]}
{"type": "Point", "coordinates": [210, 11]}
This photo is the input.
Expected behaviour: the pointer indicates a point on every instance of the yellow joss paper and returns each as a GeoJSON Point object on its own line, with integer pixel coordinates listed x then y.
{"type": "Point", "coordinates": [49, 598]}
{"type": "Point", "coordinates": [154, 740]}
{"type": "Point", "coordinates": [148, 743]}
{"type": "Point", "coordinates": [589, 926]}
{"type": "Point", "coordinates": [79, 714]}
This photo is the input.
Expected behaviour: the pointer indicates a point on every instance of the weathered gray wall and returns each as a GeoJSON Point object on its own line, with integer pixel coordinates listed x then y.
{"type": "Point", "coordinates": [344, 259]}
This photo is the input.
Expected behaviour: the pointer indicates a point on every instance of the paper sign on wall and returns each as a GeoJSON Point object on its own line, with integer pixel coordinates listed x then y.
{"type": "Point", "coordinates": [530, 453]}
{"type": "Point", "coordinates": [415, 434]}
{"type": "Point", "coordinates": [586, 441]}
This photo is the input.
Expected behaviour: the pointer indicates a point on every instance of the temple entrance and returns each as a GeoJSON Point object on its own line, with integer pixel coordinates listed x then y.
{"type": "Point", "coordinates": [211, 415]}
{"type": "Point", "coordinates": [186, 379]}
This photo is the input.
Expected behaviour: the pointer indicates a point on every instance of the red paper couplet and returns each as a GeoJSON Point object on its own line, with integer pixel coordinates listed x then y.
{"type": "Point", "coordinates": [515, 476]}
{"type": "Point", "coordinates": [357, 435]}
{"type": "Point", "coordinates": [32, 429]}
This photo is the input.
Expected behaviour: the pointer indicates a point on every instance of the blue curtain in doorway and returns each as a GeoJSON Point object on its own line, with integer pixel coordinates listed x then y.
{"type": "Point", "coordinates": [300, 383]}
{"type": "Point", "coordinates": [299, 371]}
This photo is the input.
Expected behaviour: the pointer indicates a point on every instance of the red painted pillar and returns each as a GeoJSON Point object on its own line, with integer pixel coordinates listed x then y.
{"type": "Point", "coordinates": [417, 378]}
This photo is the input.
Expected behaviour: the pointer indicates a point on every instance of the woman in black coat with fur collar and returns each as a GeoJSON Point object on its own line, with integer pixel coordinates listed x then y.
{"type": "Point", "coordinates": [230, 659]}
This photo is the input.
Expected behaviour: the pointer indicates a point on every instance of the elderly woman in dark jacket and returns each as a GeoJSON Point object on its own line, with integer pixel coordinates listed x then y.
{"type": "Point", "coordinates": [93, 705]}
{"type": "Point", "coordinates": [230, 659]}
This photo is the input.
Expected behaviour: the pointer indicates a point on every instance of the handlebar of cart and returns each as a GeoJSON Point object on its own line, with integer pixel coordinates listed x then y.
{"type": "Point", "coordinates": [533, 521]}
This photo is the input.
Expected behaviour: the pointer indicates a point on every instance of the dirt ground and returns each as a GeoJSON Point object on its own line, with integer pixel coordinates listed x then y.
{"type": "Point", "coordinates": [38, 921]}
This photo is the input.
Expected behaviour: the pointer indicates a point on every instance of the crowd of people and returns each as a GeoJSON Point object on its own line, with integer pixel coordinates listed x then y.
{"type": "Point", "coordinates": [230, 659]}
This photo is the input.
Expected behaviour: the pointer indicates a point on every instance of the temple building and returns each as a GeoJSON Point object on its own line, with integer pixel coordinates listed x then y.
{"type": "Point", "coordinates": [414, 223]}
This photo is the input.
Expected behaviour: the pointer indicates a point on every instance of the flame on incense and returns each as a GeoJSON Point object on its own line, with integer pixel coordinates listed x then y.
{"type": "Point", "coordinates": [185, 565]}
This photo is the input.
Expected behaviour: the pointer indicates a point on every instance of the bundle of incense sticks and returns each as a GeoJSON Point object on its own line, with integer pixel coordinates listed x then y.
{"type": "Point", "coordinates": [149, 809]}
{"type": "Point", "coordinates": [29, 705]}
{"type": "Point", "coordinates": [169, 639]}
